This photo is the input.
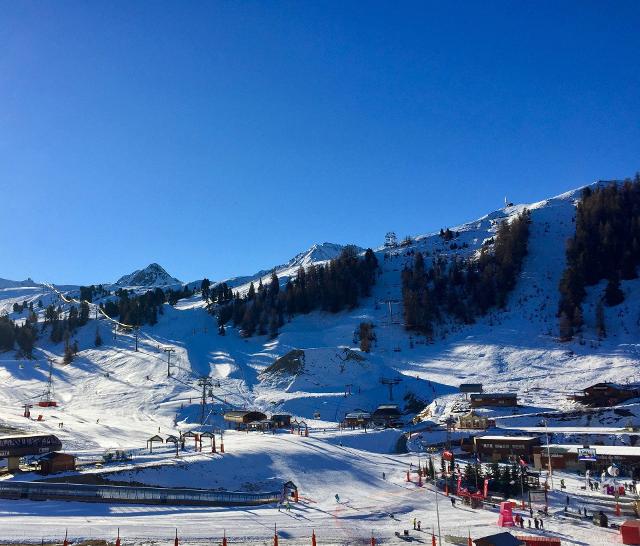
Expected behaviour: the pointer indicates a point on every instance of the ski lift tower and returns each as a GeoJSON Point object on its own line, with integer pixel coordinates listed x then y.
{"type": "Point", "coordinates": [390, 382]}
{"type": "Point", "coordinates": [47, 399]}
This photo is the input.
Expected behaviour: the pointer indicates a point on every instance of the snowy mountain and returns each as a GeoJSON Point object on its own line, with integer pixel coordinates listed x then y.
{"type": "Point", "coordinates": [151, 276]}
{"type": "Point", "coordinates": [6, 283]}
{"type": "Point", "coordinates": [316, 254]}
{"type": "Point", "coordinates": [114, 387]}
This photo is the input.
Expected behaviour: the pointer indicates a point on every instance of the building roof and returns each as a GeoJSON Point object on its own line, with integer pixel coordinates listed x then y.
{"type": "Point", "coordinates": [495, 395]}
{"type": "Point", "coordinates": [358, 415]}
{"type": "Point", "coordinates": [620, 451]}
{"type": "Point", "coordinates": [499, 539]}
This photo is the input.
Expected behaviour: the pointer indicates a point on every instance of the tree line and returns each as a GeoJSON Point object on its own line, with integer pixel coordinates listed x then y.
{"type": "Point", "coordinates": [606, 246]}
{"type": "Point", "coordinates": [332, 287]}
{"type": "Point", "coordinates": [464, 288]}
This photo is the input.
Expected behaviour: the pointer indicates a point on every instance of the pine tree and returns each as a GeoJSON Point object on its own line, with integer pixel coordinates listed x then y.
{"type": "Point", "coordinates": [600, 323]}
{"type": "Point", "coordinates": [613, 295]}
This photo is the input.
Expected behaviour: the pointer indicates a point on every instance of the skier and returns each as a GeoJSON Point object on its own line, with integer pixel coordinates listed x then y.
{"type": "Point", "coordinates": [521, 522]}
{"type": "Point", "coordinates": [384, 476]}
{"type": "Point", "coordinates": [337, 498]}
{"type": "Point", "coordinates": [453, 502]}
{"type": "Point", "coordinates": [541, 523]}
{"type": "Point", "coordinates": [414, 524]}
{"type": "Point", "coordinates": [535, 522]}
{"type": "Point", "coordinates": [419, 525]}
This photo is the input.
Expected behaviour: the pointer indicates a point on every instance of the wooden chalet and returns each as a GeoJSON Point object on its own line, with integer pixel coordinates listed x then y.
{"type": "Point", "coordinates": [387, 415]}
{"type": "Point", "coordinates": [57, 462]}
{"type": "Point", "coordinates": [606, 394]}
{"type": "Point", "coordinates": [241, 418]}
{"type": "Point", "coordinates": [357, 419]}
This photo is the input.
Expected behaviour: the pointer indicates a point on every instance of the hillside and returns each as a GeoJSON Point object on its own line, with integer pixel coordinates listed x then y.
{"type": "Point", "coordinates": [113, 397]}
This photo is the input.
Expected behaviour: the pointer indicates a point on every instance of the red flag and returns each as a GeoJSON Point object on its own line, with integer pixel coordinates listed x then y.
{"type": "Point", "coordinates": [118, 539]}
{"type": "Point", "coordinates": [469, 541]}
{"type": "Point", "coordinates": [275, 536]}
{"type": "Point", "coordinates": [66, 542]}
{"type": "Point", "coordinates": [313, 538]}
{"type": "Point", "coordinates": [433, 539]}
{"type": "Point", "coordinates": [224, 538]}
{"type": "Point", "coordinates": [175, 542]}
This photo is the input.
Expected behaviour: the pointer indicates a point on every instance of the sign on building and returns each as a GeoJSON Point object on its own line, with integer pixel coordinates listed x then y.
{"type": "Point", "coordinates": [586, 454]}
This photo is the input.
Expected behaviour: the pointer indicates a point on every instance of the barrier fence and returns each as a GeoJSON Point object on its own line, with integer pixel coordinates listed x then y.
{"type": "Point", "coordinates": [132, 494]}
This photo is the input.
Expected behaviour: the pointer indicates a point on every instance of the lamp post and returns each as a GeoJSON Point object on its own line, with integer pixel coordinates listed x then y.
{"type": "Point", "coordinates": [546, 432]}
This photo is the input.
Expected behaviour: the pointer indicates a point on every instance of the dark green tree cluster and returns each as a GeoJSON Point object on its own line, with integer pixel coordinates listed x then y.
{"type": "Point", "coordinates": [220, 293]}
{"type": "Point", "coordinates": [333, 287]}
{"type": "Point", "coordinates": [606, 245]}
{"type": "Point", "coordinates": [20, 307]}
{"type": "Point", "coordinates": [136, 310]}
{"type": "Point", "coordinates": [24, 335]}
{"type": "Point", "coordinates": [88, 293]}
{"type": "Point", "coordinates": [465, 288]}
{"type": "Point", "coordinates": [64, 326]}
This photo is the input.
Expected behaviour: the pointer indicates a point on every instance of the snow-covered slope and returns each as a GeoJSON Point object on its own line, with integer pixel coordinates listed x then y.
{"type": "Point", "coordinates": [113, 396]}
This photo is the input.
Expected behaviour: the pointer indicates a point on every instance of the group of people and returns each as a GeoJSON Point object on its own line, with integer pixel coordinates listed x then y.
{"type": "Point", "coordinates": [538, 522]}
{"type": "Point", "coordinates": [417, 525]}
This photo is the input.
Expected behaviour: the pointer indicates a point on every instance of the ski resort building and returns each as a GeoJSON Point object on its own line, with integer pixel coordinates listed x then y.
{"type": "Point", "coordinates": [281, 420]}
{"type": "Point", "coordinates": [19, 445]}
{"type": "Point", "coordinates": [242, 418]}
{"type": "Point", "coordinates": [357, 419]}
{"type": "Point", "coordinates": [473, 421]}
{"type": "Point", "coordinates": [57, 462]}
{"type": "Point", "coordinates": [489, 400]}
{"type": "Point", "coordinates": [606, 394]}
{"type": "Point", "coordinates": [502, 448]}
{"type": "Point", "coordinates": [569, 457]}
{"type": "Point", "coordinates": [387, 415]}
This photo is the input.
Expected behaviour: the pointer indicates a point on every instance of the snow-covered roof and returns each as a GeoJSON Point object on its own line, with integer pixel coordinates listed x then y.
{"type": "Point", "coordinates": [621, 451]}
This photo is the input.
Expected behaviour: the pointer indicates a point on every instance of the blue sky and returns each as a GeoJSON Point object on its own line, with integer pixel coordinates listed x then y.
{"type": "Point", "coordinates": [218, 138]}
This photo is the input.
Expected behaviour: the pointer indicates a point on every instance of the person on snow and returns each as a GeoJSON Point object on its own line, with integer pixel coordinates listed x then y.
{"type": "Point", "coordinates": [414, 524]}
{"type": "Point", "coordinates": [541, 523]}
{"type": "Point", "coordinates": [453, 502]}
{"type": "Point", "coordinates": [337, 497]}
{"type": "Point", "coordinates": [384, 476]}
{"type": "Point", "coordinates": [419, 525]}
{"type": "Point", "coordinates": [535, 522]}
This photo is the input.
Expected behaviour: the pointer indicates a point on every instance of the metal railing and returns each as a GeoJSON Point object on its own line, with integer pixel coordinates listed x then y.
{"type": "Point", "coordinates": [132, 494]}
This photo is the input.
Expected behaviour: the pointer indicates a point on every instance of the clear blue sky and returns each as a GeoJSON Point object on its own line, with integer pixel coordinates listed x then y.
{"type": "Point", "coordinates": [218, 138]}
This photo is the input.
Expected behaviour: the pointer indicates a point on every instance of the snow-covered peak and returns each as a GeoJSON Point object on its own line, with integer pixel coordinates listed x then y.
{"type": "Point", "coordinates": [152, 275]}
{"type": "Point", "coordinates": [320, 252]}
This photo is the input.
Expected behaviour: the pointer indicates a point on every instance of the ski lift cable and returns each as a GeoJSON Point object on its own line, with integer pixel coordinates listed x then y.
{"type": "Point", "coordinates": [118, 323]}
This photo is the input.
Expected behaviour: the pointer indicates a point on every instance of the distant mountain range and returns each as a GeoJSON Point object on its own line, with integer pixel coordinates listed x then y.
{"type": "Point", "coordinates": [6, 283]}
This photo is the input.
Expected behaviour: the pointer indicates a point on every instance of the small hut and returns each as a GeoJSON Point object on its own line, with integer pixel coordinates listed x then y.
{"type": "Point", "coordinates": [57, 462]}
{"type": "Point", "coordinates": [154, 439]}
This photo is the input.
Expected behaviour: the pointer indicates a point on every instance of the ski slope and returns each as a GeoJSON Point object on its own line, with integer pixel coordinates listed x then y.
{"type": "Point", "coordinates": [113, 397]}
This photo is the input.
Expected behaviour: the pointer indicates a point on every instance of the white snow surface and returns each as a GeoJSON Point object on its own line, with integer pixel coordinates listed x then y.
{"type": "Point", "coordinates": [113, 397]}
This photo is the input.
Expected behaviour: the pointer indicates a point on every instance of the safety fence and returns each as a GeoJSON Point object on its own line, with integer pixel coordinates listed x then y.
{"type": "Point", "coordinates": [132, 494]}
